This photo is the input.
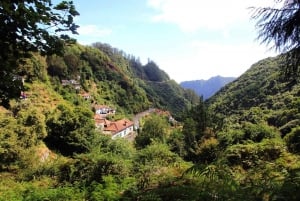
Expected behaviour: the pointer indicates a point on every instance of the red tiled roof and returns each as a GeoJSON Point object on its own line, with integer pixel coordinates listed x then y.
{"type": "Point", "coordinates": [97, 117]}
{"type": "Point", "coordinates": [100, 120]}
{"type": "Point", "coordinates": [118, 126]}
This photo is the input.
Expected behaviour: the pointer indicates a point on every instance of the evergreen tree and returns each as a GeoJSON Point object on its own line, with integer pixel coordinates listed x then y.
{"type": "Point", "coordinates": [194, 129]}
{"type": "Point", "coordinates": [281, 26]}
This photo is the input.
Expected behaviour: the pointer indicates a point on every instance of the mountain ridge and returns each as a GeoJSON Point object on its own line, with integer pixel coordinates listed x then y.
{"type": "Point", "coordinates": [209, 87]}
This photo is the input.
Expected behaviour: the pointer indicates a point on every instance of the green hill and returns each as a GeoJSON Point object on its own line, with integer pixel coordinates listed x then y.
{"type": "Point", "coordinates": [48, 136]}
{"type": "Point", "coordinates": [56, 105]}
{"type": "Point", "coordinates": [244, 147]}
{"type": "Point", "coordinates": [112, 77]}
{"type": "Point", "coordinates": [261, 94]}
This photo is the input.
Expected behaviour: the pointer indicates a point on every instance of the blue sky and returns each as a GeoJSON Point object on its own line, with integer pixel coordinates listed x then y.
{"type": "Point", "coordinates": [188, 39]}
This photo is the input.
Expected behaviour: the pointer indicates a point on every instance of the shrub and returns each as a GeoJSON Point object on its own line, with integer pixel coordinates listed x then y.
{"type": "Point", "coordinates": [258, 132]}
{"type": "Point", "coordinates": [293, 140]}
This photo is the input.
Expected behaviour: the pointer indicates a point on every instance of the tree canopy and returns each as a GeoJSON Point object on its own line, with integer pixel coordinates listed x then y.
{"type": "Point", "coordinates": [281, 26]}
{"type": "Point", "coordinates": [30, 26]}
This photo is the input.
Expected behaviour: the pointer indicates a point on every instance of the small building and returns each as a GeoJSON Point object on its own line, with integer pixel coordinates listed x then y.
{"type": "Point", "coordinates": [20, 78]}
{"type": "Point", "coordinates": [77, 86]}
{"type": "Point", "coordinates": [65, 82]}
{"type": "Point", "coordinates": [104, 109]}
{"type": "Point", "coordinates": [72, 82]}
{"type": "Point", "coordinates": [119, 129]}
{"type": "Point", "coordinates": [86, 95]}
{"type": "Point", "coordinates": [100, 122]}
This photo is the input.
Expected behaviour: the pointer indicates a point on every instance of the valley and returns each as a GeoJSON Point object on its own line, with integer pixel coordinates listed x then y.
{"type": "Point", "coordinates": [94, 123]}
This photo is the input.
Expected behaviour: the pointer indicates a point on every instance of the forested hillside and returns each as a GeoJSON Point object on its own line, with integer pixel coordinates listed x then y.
{"type": "Point", "coordinates": [48, 135]}
{"type": "Point", "coordinates": [256, 120]}
{"type": "Point", "coordinates": [68, 129]}
{"type": "Point", "coordinates": [244, 146]}
{"type": "Point", "coordinates": [112, 77]}
{"type": "Point", "coordinates": [260, 95]}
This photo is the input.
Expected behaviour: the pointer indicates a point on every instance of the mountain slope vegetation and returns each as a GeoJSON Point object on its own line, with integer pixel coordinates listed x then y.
{"type": "Point", "coordinates": [262, 94]}
{"type": "Point", "coordinates": [241, 144]}
{"type": "Point", "coordinates": [49, 146]}
{"type": "Point", "coordinates": [115, 78]}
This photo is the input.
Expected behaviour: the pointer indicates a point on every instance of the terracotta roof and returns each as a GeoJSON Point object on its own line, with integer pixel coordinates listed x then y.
{"type": "Point", "coordinates": [97, 117]}
{"type": "Point", "coordinates": [118, 126]}
{"type": "Point", "coordinates": [100, 120]}
{"type": "Point", "coordinates": [85, 94]}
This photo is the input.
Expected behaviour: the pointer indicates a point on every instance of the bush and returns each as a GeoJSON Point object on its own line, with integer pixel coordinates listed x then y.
{"type": "Point", "coordinates": [70, 130]}
{"type": "Point", "coordinates": [293, 140]}
{"type": "Point", "coordinates": [230, 137]}
{"type": "Point", "coordinates": [207, 151]}
{"type": "Point", "coordinates": [251, 154]}
{"type": "Point", "coordinates": [38, 191]}
{"type": "Point", "coordinates": [258, 132]}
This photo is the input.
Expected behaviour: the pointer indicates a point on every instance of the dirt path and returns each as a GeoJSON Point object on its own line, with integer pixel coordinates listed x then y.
{"type": "Point", "coordinates": [137, 117]}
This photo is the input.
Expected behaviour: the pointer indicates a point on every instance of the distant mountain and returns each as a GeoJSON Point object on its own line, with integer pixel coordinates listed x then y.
{"type": "Point", "coordinates": [207, 88]}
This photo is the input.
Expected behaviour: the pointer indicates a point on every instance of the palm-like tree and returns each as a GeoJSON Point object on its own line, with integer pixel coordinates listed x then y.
{"type": "Point", "coordinates": [281, 26]}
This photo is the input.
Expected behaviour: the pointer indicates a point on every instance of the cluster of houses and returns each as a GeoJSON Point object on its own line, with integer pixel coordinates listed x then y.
{"type": "Point", "coordinates": [76, 85]}
{"type": "Point", "coordinates": [116, 129]}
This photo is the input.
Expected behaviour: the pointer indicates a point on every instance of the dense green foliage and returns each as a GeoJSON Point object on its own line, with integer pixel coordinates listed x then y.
{"type": "Point", "coordinates": [154, 129]}
{"type": "Point", "coordinates": [24, 29]}
{"type": "Point", "coordinates": [49, 146]}
{"type": "Point", "coordinates": [109, 75]}
{"type": "Point", "coordinates": [70, 130]}
{"type": "Point", "coordinates": [258, 96]}
{"type": "Point", "coordinates": [242, 144]}
{"type": "Point", "coordinates": [256, 120]}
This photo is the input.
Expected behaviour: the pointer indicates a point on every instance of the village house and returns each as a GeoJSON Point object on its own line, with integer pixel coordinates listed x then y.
{"type": "Point", "coordinates": [72, 82]}
{"type": "Point", "coordinates": [86, 95]}
{"type": "Point", "coordinates": [104, 109]}
{"type": "Point", "coordinates": [77, 86]}
{"type": "Point", "coordinates": [119, 129]}
{"type": "Point", "coordinates": [69, 82]}
{"type": "Point", "coordinates": [65, 82]}
{"type": "Point", "coordinates": [115, 129]}
{"type": "Point", "coordinates": [101, 122]}
{"type": "Point", "coordinates": [20, 78]}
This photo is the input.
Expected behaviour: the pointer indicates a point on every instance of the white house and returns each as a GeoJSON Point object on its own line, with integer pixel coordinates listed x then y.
{"type": "Point", "coordinates": [104, 109]}
{"type": "Point", "coordinates": [120, 128]}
